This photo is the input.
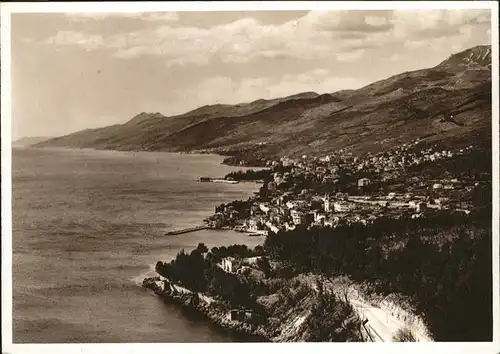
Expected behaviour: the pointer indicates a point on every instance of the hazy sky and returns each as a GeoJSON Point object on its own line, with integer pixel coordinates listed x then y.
{"type": "Point", "coordinates": [77, 71]}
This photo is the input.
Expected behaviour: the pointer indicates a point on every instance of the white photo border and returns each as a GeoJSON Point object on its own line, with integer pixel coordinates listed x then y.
{"type": "Point", "coordinates": [98, 7]}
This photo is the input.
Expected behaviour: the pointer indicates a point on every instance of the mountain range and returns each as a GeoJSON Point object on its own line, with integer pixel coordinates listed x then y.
{"type": "Point", "coordinates": [447, 103]}
{"type": "Point", "coordinates": [28, 141]}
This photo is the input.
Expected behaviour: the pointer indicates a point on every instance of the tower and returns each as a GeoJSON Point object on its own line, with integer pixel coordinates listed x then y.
{"type": "Point", "coordinates": [326, 200]}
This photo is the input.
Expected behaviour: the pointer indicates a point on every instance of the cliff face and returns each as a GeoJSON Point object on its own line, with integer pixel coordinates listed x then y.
{"type": "Point", "coordinates": [214, 311]}
{"type": "Point", "coordinates": [374, 118]}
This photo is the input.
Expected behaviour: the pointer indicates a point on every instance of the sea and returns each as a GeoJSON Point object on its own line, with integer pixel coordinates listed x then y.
{"type": "Point", "coordinates": [89, 225]}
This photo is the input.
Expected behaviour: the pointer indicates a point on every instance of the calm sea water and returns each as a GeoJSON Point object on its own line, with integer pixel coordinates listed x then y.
{"type": "Point", "coordinates": [88, 226]}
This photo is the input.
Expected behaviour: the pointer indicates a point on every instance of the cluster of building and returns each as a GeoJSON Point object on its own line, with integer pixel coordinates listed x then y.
{"type": "Point", "coordinates": [356, 191]}
{"type": "Point", "coordinates": [234, 265]}
{"type": "Point", "coordinates": [404, 156]}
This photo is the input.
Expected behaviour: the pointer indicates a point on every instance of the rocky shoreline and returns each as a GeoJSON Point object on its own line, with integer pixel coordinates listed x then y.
{"type": "Point", "coordinates": [291, 326]}
{"type": "Point", "coordinates": [207, 308]}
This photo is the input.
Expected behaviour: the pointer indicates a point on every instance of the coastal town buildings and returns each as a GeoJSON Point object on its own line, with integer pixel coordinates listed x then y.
{"type": "Point", "coordinates": [327, 206]}
{"type": "Point", "coordinates": [342, 206]}
{"type": "Point", "coordinates": [298, 217]}
{"type": "Point", "coordinates": [363, 182]}
{"type": "Point", "coordinates": [230, 264]}
{"type": "Point", "coordinates": [322, 191]}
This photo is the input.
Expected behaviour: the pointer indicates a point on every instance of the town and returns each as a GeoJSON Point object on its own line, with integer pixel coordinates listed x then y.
{"type": "Point", "coordinates": [340, 189]}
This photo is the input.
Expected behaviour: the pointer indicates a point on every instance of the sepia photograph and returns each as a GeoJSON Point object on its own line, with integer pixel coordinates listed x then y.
{"type": "Point", "coordinates": [268, 172]}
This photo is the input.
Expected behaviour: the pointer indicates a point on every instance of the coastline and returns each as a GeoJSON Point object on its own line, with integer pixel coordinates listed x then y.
{"type": "Point", "coordinates": [229, 160]}
{"type": "Point", "coordinates": [191, 303]}
{"type": "Point", "coordinates": [68, 148]}
{"type": "Point", "coordinates": [136, 211]}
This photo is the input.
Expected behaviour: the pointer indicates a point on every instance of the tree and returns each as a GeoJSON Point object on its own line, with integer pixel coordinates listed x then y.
{"type": "Point", "coordinates": [344, 285]}
{"type": "Point", "coordinates": [202, 248]}
{"type": "Point", "coordinates": [159, 267]}
{"type": "Point", "coordinates": [258, 250]}
{"type": "Point", "coordinates": [333, 320]}
{"type": "Point", "coordinates": [265, 266]}
{"type": "Point", "coordinates": [263, 191]}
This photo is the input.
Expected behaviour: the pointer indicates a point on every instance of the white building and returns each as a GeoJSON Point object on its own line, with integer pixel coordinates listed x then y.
{"type": "Point", "coordinates": [341, 195]}
{"type": "Point", "coordinates": [362, 182]}
{"type": "Point", "coordinates": [298, 217]}
{"type": "Point", "coordinates": [340, 207]}
{"type": "Point", "coordinates": [252, 225]}
{"type": "Point", "coordinates": [417, 205]}
{"type": "Point", "coordinates": [297, 204]}
{"type": "Point", "coordinates": [441, 201]}
{"type": "Point", "coordinates": [264, 208]}
{"type": "Point", "coordinates": [229, 264]}
{"type": "Point", "coordinates": [327, 204]}
{"type": "Point", "coordinates": [272, 227]}
{"type": "Point", "coordinates": [251, 260]}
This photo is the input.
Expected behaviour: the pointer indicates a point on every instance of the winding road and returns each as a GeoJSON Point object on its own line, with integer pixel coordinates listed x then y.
{"type": "Point", "coordinates": [381, 324]}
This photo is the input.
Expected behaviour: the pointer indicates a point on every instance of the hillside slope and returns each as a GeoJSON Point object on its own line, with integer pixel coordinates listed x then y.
{"type": "Point", "coordinates": [374, 118]}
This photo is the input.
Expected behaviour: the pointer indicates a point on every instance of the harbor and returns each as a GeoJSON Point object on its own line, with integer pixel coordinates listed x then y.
{"type": "Point", "coordinates": [217, 180]}
{"type": "Point", "coordinates": [208, 227]}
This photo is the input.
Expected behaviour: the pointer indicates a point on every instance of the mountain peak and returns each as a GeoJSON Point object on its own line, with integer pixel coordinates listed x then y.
{"type": "Point", "coordinates": [475, 57]}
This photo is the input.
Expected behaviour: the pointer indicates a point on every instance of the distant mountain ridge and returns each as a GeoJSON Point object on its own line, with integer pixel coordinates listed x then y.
{"type": "Point", "coordinates": [373, 118]}
{"type": "Point", "coordinates": [28, 141]}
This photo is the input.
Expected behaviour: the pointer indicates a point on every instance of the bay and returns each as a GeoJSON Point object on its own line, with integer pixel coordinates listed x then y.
{"type": "Point", "coordinates": [89, 225]}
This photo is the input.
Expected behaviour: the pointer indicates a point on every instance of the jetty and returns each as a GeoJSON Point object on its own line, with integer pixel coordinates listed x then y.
{"type": "Point", "coordinates": [217, 180]}
{"type": "Point", "coordinates": [187, 230]}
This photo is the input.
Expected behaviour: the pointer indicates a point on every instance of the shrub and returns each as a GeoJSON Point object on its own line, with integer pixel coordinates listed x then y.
{"type": "Point", "coordinates": [404, 335]}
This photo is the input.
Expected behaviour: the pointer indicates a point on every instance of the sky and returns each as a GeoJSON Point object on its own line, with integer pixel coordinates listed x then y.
{"type": "Point", "coordinates": [73, 71]}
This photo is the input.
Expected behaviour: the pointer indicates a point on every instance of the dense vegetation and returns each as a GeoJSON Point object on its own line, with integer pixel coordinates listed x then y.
{"type": "Point", "coordinates": [244, 159]}
{"type": "Point", "coordinates": [475, 164]}
{"type": "Point", "coordinates": [241, 206]}
{"type": "Point", "coordinates": [443, 263]}
{"type": "Point", "coordinates": [330, 319]}
{"type": "Point", "coordinates": [249, 175]}
{"type": "Point", "coordinates": [329, 312]}
{"type": "Point", "coordinates": [201, 274]}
